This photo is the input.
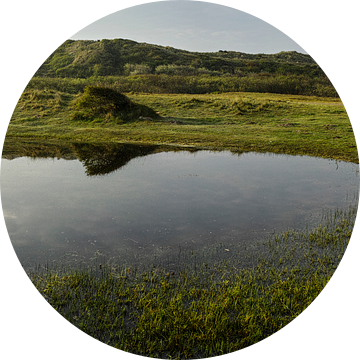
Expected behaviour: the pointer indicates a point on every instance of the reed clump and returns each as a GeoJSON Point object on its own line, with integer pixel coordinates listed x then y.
{"type": "Point", "coordinates": [207, 304]}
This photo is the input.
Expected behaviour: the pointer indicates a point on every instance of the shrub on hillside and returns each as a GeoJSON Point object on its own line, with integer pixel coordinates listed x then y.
{"type": "Point", "coordinates": [107, 103]}
{"type": "Point", "coordinates": [102, 100]}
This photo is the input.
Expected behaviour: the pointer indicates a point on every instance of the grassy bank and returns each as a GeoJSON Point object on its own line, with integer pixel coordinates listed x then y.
{"type": "Point", "coordinates": [221, 299]}
{"type": "Point", "coordinates": [209, 304]}
{"type": "Point", "coordinates": [235, 121]}
{"type": "Point", "coordinates": [195, 84]}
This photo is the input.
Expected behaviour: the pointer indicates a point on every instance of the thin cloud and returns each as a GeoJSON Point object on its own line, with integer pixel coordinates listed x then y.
{"type": "Point", "coordinates": [193, 26]}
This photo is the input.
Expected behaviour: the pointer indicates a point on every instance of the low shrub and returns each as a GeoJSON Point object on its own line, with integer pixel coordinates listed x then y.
{"type": "Point", "coordinates": [109, 104]}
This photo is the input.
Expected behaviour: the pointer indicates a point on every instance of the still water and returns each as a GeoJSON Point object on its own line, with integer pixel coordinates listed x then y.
{"type": "Point", "coordinates": [118, 204]}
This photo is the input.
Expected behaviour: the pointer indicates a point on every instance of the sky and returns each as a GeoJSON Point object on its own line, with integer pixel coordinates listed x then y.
{"type": "Point", "coordinates": [190, 25]}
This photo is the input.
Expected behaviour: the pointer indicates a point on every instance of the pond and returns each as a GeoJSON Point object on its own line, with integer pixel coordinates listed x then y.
{"type": "Point", "coordinates": [127, 201]}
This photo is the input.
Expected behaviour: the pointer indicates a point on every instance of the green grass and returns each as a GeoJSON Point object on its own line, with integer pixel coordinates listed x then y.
{"type": "Point", "coordinates": [221, 299]}
{"type": "Point", "coordinates": [287, 124]}
{"type": "Point", "coordinates": [211, 303]}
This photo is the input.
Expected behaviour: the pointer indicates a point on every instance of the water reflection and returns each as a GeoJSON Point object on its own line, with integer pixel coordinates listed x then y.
{"type": "Point", "coordinates": [104, 159]}
{"type": "Point", "coordinates": [56, 208]}
{"type": "Point", "coordinates": [98, 159]}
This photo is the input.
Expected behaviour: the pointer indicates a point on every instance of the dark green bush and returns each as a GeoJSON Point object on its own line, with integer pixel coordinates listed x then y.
{"type": "Point", "coordinates": [79, 116]}
{"type": "Point", "coordinates": [102, 100]}
{"type": "Point", "coordinates": [108, 104]}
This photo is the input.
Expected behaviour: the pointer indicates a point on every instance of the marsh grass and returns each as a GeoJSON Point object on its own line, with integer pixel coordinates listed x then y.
{"type": "Point", "coordinates": [44, 102]}
{"type": "Point", "coordinates": [297, 125]}
{"type": "Point", "coordinates": [200, 303]}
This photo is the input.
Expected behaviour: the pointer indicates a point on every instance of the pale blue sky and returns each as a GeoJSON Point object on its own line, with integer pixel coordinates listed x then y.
{"type": "Point", "coordinates": [191, 25]}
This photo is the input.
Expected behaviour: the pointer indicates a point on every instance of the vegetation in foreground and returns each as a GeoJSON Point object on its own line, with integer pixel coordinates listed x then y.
{"type": "Point", "coordinates": [203, 307]}
{"type": "Point", "coordinates": [289, 124]}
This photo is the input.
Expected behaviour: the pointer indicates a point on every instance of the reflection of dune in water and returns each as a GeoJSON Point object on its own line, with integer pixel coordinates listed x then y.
{"type": "Point", "coordinates": [170, 199]}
